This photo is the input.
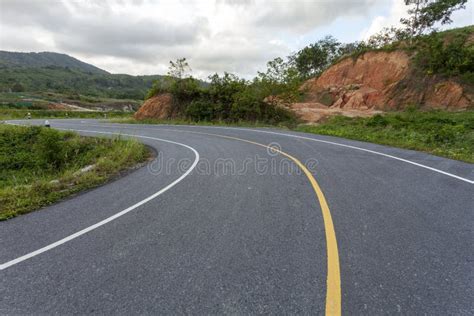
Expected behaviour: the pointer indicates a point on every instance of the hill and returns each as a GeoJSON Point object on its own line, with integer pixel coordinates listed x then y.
{"type": "Point", "coordinates": [435, 74]}
{"type": "Point", "coordinates": [60, 73]}
{"type": "Point", "coordinates": [46, 59]}
{"type": "Point", "coordinates": [434, 71]}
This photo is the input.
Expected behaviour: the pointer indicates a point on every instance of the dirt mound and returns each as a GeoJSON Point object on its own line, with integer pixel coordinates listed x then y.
{"type": "Point", "coordinates": [157, 107]}
{"type": "Point", "coordinates": [377, 81]}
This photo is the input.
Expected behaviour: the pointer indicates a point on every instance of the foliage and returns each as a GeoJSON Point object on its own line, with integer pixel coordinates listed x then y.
{"type": "Point", "coordinates": [178, 69]}
{"type": "Point", "coordinates": [281, 79]}
{"type": "Point", "coordinates": [159, 86]}
{"type": "Point", "coordinates": [73, 81]}
{"type": "Point", "coordinates": [202, 110]}
{"type": "Point", "coordinates": [18, 87]}
{"type": "Point", "coordinates": [313, 59]}
{"type": "Point", "coordinates": [12, 114]}
{"type": "Point", "coordinates": [31, 157]}
{"type": "Point", "coordinates": [46, 59]}
{"type": "Point", "coordinates": [227, 97]}
{"type": "Point", "coordinates": [59, 73]}
{"type": "Point", "coordinates": [446, 55]}
{"type": "Point", "coordinates": [185, 90]}
{"type": "Point", "coordinates": [423, 14]}
{"type": "Point", "coordinates": [386, 38]}
{"type": "Point", "coordinates": [441, 133]}
{"type": "Point", "coordinates": [222, 92]}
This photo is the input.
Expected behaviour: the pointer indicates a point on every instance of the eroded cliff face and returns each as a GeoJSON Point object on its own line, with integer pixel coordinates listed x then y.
{"type": "Point", "coordinates": [377, 81]}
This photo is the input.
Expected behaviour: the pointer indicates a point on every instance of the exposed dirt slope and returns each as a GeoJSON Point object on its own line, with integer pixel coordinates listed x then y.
{"type": "Point", "coordinates": [377, 81]}
{"type": "Point", "coordinates": [157, 107]}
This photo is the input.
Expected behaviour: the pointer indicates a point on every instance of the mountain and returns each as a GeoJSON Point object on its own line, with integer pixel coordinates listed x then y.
{"type": "Point", "coordinates": [60, 73]}
{"type": "Point", "coordinates": [46, 59]}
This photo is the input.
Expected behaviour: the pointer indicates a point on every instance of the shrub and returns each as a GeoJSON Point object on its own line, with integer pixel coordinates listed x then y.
{"type": "Point", "coordinates": [50, 149]}
{"type": "Point", "coordinates": [445, 56]}
{"type": "Point", "coordinates": [377, 120]}
{"type": "Point", "coordinates": [201, 110]}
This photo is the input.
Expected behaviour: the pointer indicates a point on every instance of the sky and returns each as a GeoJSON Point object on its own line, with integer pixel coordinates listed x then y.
{"type": "Point", "coordinates": [140, 37]}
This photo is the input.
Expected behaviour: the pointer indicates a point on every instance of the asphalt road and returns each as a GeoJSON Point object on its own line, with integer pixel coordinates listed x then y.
{"type": "Point", "coordinates": [220, 224]}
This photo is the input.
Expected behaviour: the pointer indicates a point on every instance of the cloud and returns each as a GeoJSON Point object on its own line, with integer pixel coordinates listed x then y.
{"type": "Point", "coordinates": [398, 10]}
{"type": "Point", "coordinates": [302, 16]}
{"type": "Point", "coordinates": [141, 36]}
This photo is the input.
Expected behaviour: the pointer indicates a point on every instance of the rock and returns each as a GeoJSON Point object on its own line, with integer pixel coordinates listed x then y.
{"type": "Point", "coordinates": [87, 168]}
{"type": "Point", "coordinates": [377, 81]}
{"type": "Point", "coordinates": [84, 170]}
{"type": "Point", "coordinates": [446, 95]}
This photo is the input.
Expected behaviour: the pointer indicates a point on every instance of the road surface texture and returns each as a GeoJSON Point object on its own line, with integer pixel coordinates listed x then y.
{"type": "Point", "coordinates": [221, 224]}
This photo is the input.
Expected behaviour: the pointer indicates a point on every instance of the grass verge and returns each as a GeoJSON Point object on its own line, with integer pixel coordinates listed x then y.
{"type": "Point", "coordinates": [131, 120]}
{"type": "Point", "coordinates": [39, 166]}
{"type": "Point", "coordinates": [14, 114]}
{"type": "Point", "coordinates": [441, 133]}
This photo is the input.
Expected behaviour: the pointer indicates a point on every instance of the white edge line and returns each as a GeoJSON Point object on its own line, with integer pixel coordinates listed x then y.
{"type": "Point", "coordinates": [322, 141]}
{"type": "Point", "coordinates": [115, 216]}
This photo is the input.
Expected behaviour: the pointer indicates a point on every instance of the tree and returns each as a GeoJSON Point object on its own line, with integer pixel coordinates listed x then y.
{"type": "Point", "coordinates": [387, 36]}
{"type": "Point", "coordinates": [423, 14]}
{"type": "Point", "coordinates": [281, 80]}
{"type": "Point", "coordinates": [315, 58]}
{"type": "Point", "coordinates": [18, 87]}
{"type": "Point", "coordinates": [179, 68]}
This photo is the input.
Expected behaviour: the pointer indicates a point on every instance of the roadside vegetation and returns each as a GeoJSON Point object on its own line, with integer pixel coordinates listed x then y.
{"type": "Point", "coordinates": [13, 114]}
{"type": "Point", "coordinates": [130, 120]}
{"type": "Point", "coordinates": [230, 100]}
{"type": "Point", "coordinates": [441, 133]}
{"type": "Point", "coordinates": [39, 166]}
{"type": "Point", "coordinates": [60, 101]}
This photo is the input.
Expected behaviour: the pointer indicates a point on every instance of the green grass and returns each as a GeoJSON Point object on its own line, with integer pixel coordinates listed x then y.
{"type": "Point", "coordinates": [42, 100]}
{"type": "Point", "coordinates": [131, 120]}
{"type": "Point", "coordinates": [441, 133]}
{"type": "Point", "coordinates": [15, 114]}
{"type": "Point", "coordinates": [32, 157]}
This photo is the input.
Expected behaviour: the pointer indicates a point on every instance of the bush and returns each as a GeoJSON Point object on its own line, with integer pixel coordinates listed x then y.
{"type": "Point", "coordinates": [449, 56]}
{"type": "Point", "coordinates": [201, 110]}
{"type": "Point", "coordinates": [49, 148]}
{"type": "Point", "coordinates": [229, 98]}
{"type": "Point", "coordinates": [18, 87]}
{"type": "Point", "coordinates": [185, 90]}
{"type": "Point", "coordinates": [377, 120]}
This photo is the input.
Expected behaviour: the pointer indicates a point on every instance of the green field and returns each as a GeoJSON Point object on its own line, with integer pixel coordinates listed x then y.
{"type": "Point", "coordinates": [39, 166]}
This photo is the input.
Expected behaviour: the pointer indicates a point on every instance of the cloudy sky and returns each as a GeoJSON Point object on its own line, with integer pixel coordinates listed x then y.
{"type": "Point", "coordinates": [239, 36]}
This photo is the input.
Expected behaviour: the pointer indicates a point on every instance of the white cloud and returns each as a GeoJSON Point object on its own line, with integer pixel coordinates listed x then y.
{"type": "Point", "coordinates": [398, 10]}
{"type": "Point", "coordinates": [141, 36]}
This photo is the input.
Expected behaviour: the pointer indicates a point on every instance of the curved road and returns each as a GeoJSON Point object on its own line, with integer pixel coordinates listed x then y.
{"type": "Point", "coordinates": [221, 224]}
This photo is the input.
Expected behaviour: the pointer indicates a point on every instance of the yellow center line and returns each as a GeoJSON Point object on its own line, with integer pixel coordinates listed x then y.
{"type": "Point", "coordinates": [333, 286]}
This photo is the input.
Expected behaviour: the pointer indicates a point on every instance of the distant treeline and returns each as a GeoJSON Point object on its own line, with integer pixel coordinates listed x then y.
{"type": "Point", "coordinates": [74, 82]}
